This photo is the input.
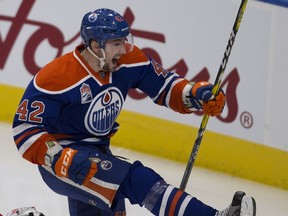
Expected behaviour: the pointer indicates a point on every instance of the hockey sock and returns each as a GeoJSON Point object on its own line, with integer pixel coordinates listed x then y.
{"type": "Point", "coordinates": [177, 202]}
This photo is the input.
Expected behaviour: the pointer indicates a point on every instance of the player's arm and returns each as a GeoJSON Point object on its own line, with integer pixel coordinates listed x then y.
{"type": "Point", "coordinates": [183, 96]}
{"type": "Point", "coordinates": [30, 131]}
{"type": "Point", "coordinates": [168, 89]}
{"type": "Point", "coordinates": [29, 127]}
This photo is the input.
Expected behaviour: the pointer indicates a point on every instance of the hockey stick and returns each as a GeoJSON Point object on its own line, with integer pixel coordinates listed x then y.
{"type": "Point", "coordinates": [215, 90]}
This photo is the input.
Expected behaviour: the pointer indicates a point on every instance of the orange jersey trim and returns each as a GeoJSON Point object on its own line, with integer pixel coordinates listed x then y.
{"type": "Point", "coordinates": [66, 71]}
{"type": "Point", "coordinates": [133, 57]}
{"type": "Point", "coordinates": [61, 136]}
{"type": "Point", "coordinates": [60, 74]}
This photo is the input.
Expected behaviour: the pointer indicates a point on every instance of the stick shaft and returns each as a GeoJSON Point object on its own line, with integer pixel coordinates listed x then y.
{"type": "Point", "coordinates": [215, 90]}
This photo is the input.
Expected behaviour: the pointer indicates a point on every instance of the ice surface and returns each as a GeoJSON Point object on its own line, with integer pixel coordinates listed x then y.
{"type": "Point", "coordinates": [22, 186]}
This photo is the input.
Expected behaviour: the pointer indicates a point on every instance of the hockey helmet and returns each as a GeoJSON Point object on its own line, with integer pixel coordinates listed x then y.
{"type": "Point", "coordinates": [102, 25]}
{"type": "Point", "coordinates": [24, 211]}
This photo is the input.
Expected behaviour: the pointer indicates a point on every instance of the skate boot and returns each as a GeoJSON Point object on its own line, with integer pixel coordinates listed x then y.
{"type": "Point", "coordinates": [241, 205]}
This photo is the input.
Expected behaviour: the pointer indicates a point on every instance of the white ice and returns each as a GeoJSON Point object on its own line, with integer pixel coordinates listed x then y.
{"type": "Point", "coordinates": [22, 186]}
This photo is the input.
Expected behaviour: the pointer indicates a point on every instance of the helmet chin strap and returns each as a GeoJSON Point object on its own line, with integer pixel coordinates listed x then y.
{"type": "Point", "coordinates": [102, 60]}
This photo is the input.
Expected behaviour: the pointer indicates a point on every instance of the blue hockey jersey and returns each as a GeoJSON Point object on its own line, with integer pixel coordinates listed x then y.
{"type": "Point", "coordinates": [68, 102]}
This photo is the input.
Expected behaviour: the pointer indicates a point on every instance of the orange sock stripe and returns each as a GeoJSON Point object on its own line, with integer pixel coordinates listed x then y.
{"type": "Point", "coordinates": [174, 202]}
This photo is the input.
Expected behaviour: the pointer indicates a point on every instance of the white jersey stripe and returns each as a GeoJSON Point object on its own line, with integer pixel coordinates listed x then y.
{"type": "Point", "coordinates": [22, 127]}
{"type": "Point", "coordinates": [133, 65]}
{"type": "Point", "coordinates": [184, 205]}
{"type": "Point", "coordinates": [167, 81]}
{"type": "Point", "coordinates": [167, 101]}
{"type": "Point", "coordinates": [165, 200]}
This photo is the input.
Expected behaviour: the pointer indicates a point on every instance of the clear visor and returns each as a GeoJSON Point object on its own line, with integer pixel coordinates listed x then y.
{"type": "Point", "coordinates": [129, 43]}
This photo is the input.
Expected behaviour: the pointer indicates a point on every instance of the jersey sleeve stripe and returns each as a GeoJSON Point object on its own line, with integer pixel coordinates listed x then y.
{"type": "Point", "coordinates": [168, 97]}
{"type": "Point", "coordinates": [167, 82]}
{"type": "Point", "coordinates": [176, 101]}
{"type": "Point", "coordinates": [22, 127]}
{"type": "Point", "coordinates": [26, 135]}
{"type": "Point", "coordinates": [29, 143]}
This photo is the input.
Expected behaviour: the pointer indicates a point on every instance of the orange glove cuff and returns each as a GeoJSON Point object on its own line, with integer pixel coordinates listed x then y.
{"type": "Point", "coordinates": [198, 85]}
{"type": "Point", "coordinates": [64, 162]}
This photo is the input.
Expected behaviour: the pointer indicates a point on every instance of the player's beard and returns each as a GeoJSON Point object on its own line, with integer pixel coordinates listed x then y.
{"type": "Point", "coordinates": [112, 65]}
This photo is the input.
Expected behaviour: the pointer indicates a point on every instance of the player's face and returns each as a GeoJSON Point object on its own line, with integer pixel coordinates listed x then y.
{"type": "Point", "coordinates": [114, 49]}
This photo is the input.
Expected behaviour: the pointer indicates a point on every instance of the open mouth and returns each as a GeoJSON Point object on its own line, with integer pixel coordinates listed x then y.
{"type": "Point", "coordinates": [115, 59]}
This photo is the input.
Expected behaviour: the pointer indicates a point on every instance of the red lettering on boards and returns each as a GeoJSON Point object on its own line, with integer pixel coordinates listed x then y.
{"type": "Point", "coordinates": [55, 38]}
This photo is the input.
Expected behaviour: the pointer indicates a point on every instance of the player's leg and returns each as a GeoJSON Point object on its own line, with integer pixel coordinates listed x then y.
{"type": "Point", "coordinates": [77, 207]}
{"type": "Point", "coordinates": [141, 185]}
{"type": "Point", "coordinates": [144, 186]}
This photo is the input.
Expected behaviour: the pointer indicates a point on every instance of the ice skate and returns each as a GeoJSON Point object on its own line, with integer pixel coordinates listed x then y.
{"type": "Point", "coordinates": [241, 205]}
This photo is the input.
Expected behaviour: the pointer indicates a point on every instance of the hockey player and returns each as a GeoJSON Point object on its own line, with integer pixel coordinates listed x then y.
{"type": "Point", "coordinates": [68, 114]}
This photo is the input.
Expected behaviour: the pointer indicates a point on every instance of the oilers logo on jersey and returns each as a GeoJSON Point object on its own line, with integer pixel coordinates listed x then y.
{"type": "Point", "coordinates": [103, 111]}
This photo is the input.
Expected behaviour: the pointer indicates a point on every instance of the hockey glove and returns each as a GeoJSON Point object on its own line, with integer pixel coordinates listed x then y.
{"type": "Point", "coordinates": [201, 97]}
{"type": "Point", "coordinates": [75, 165]}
